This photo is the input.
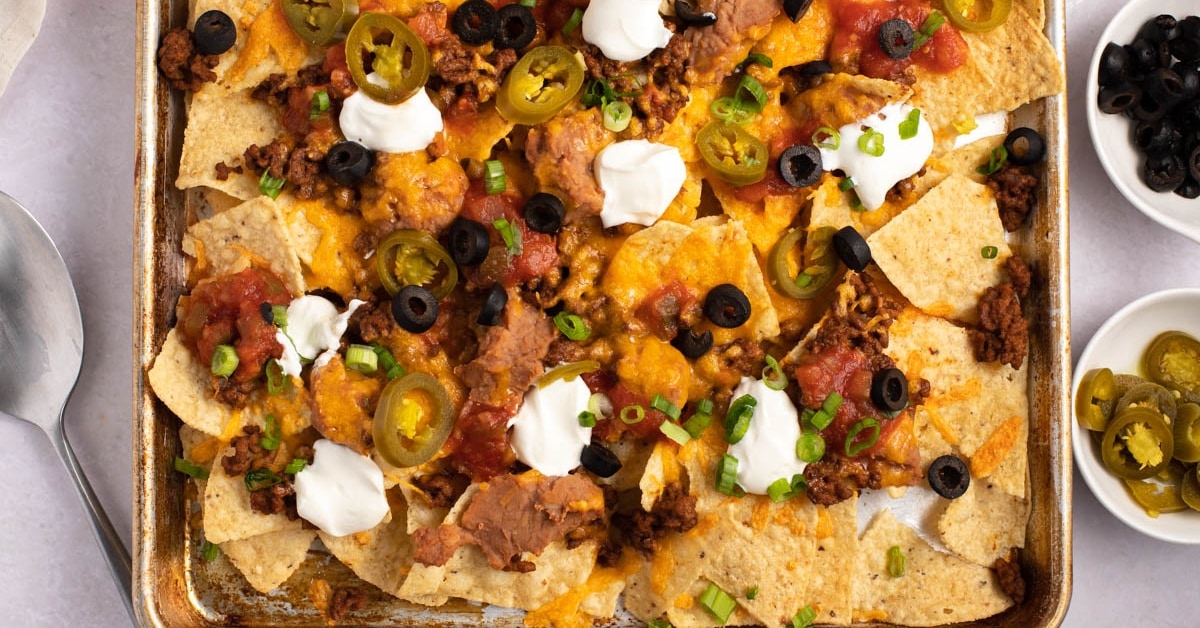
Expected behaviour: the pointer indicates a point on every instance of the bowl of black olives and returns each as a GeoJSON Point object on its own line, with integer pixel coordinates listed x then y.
{"type": "Point", "coordinates": [1143, 97]}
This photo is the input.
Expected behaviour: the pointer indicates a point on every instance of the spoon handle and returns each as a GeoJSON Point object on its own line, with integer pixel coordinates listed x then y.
{"type": "Point", "coordinates": [110, 541]}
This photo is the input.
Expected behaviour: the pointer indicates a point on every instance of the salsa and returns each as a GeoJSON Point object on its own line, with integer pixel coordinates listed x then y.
{"type": "Point", "coordinates": [856, 42]}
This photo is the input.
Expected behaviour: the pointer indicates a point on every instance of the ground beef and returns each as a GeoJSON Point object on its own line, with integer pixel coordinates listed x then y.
{"type": "Point", "coordinates": [183, 67]}
{"type": "Point", "coordinates": [304, 171]}
{"type": "Point", "coordinates": [918, 392]}
{"type": "Point", "coordinates": [224, 170]}
{"type": "Point", "coordinates": [835, 479]}
{"type": "Point", "coordinates": [674, 512]}
{"type": "Point", "coordinates": [374, 321]}
{"type": "Point", "coordinates": [246, 449]}
{"type": "Point", "coordinates": [1003, 334]}
{"type": "Point", "coordinates": [1019, 274]}
{"type": "Point", "coordinates": [442, 490]}
{"type": "Point", "coordinates": [276, 499]}
{"type": "Point", "coordinates": [1008, 576]}
{"type": "Point", "coordinates": [272, 158]}
{"type": "Point", "coordinates": [741, 356]}
{"type": "Point", "coordinates": [346, 600]}
{"type": "Point", "coordinates": [666, 93]}
{"type": "Point", "coordinates": [859, 319]}
{"type": "Point", "coordinates": [233, 393]}
{"type": "Point", "coordinates": [1015, 189]}
{"type": "Point", "coordinates": [273, 89]}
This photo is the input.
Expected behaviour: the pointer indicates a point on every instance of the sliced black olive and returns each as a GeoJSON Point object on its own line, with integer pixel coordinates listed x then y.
{"type": "Point", "coordinates": [493, 306]}
{"type": "Point", "coordinates": [1159, 29]}
{"type": "Point", "coordinates": [415, 309]}
{"type": "Point", "coordinates": [1118, 98]}
{"type": "Point", "coordinates": [600, 460]}
{"type": "Point", "coordinates": [469, 242]}
{"type": "Point", "coordinates": [691, 344]}
{"type": "Point", "coordinates": [1146, 109]}
{"type": "Point", "coordinates": [1157, 137]}
{"type": "Point", "coordinates": [1143, 55]}
{"type": "Point", "coordinates": [689, 15]}
{"type": "Point", "coordinates": [214, 33]}
{"type": "Point", "coordinates": [475, 22]}
{"type": "Point", "coordinates": [1193, 163]}
{"type": "Point", "coordinates": [1189, 75]}
{"type": "Point", "coordinates": [800, 165]}
{"type": "Point", "coordinates": [948, 476]}
{"type": "Point", "coordinates": [1189, 189]}
{"type": "Point", "coordinates": [813, 69]}
{"type": "Point", "coordinates": [516, 27]}
{"type": "Point", "coordinates": [1025, 146]}
{"type": "Point", "coordinates": [348, 162]}
{"type": "Point", "coordinates": [1165, 87]}
{"type": "Point", "coordinates": [544, 213]}
{"type": "Point", "coordinates": [1164, 172]}
{"type": "Point", "coordinates": [896, 38]}
{"type": "Point", "coordinates": [852, 249]}
{"type": "Point", "coordinates": [889, 390]}
{"type": "Point", "coordinates": [795, 9]}
{"type": "Point", "coordinates": [268, 312]}
{"type": "Point", "coordinates": [1114, 65]}
{"type": "Point", "coordinates": [1186, 49]}
{"type": "Point", "coordinates": [727, 306]}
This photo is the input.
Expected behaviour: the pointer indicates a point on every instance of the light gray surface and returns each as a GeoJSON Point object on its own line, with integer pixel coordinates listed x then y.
{"type": "Point", "coordinates": [66, 145]}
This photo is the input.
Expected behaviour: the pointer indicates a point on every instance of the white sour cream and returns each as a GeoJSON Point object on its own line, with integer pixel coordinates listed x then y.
{"type": "Point", "coordinates": [314, 332]}
{"type": "Point", "coordinates": [341, 492]}
{"type": "Point", "coordinates": [546, 434]}
{"type": "Point", "coordinates": [874, 176]}
{"type": "Point", "coordinates": [399, 128]}
{"type": "Point", "coordinates": [986, 125]}
{"type": "Point", "coordinates": [768, 451]}
{"type": "Point", "coordinates": [640, 178]}
{"type": "Point", "coordinates": [625, 30]}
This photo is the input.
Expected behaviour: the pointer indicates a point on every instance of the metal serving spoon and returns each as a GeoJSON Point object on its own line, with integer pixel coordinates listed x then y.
{"type": "Point", "coordinates": [41, 350]}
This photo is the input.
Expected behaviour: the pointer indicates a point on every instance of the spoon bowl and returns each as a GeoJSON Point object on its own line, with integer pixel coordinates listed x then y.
{"type": "Point", "coordinates": [41, 352]}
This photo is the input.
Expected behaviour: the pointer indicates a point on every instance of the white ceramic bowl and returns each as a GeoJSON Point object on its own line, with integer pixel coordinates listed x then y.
{"type": "Point", "coordinates": [1111, 134]}
{"type": "Point", "coordinates": [1118, 345]}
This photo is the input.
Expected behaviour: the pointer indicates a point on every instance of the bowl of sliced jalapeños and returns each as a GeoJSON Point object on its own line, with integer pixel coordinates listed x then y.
{"type": "Point", "coordinates": [1137, 415]}
{"type": "Point", "coordinates": [1143, 109]}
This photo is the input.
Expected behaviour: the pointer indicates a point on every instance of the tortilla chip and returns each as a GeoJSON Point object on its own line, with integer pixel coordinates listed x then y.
{"type": "Point", "coordinates": [181, 382]}
{"type": "Point", "coordinates": [640, 261]}
{"type": "Point", "coordinates": [963, 161]}
{"type": "Point", "coordinates": [983, 524]}
{"type": "Point", "coordinates": [843, 99]}
{"type": "Point", "coordinates": [227, 512]}
{"type": "Point", "coordinates": [208, 140]}
{"type": "Point", "coordinates": [932, 251]}
{"type": "Point", "coordinates": [830, 586]}
{"type": "Point", "coordinates": [935, 588]}
{"type": "Point", "coordinates": [251, 234]}
{"type": "Point", "coordinates": [267, 560]}
{"type": "Point", "coordinates": [381, 555]}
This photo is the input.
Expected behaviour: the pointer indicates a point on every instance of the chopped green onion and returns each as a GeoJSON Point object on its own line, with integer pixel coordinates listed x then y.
{"type": "Point", "coordinates": [989, 252]}
{"type": "Point", "coordinates": [362, 358]}
{"type": "Point", "coordinates": [574, 22]}
{"type": "Point", "coordinates": [664, 405]}
{"type": "Point", "coordinates": [780, 490]}
{"type": "Point", "coordinates": [909, 126]}
{"type": "Point", "coordinates": [846, 184]}
{"type": "Point", "coordinates": [871, 142]}
{"type": "Point", "coordinates": [772, 373]}
{"type": "Point", "coordinates": [632, 414]}
{"type": "Point", "coordinates": [511, 234]}
{"type": "Point", "coordinates": [494, 180]}
{"type": "Point", "coordinates": [529, 4]}
{"type": "Point", "coordinates": [827, 138]}
{"type": "Point", "coordinates": [617, 115]}
{"type": "Point", "coordinates": [730, 110]}
{"type": "Point", "coordinates": [718, 603]}
{"type": "Point", "coordinates": [184, 465]}
{"type": "Point", "coordinates": [224, 361]}
{"type": "Point", "coordinates": [895, 561]}
{"type": "Point", "coordinates": [277, 381]}
{"type": "Point", "coordinates": [320, 104]}
{"type": "Point", "coordinates": [295, 466]}
{"type": "Point", "coordinates": [209, 551]}
{"type": "Point", "coordinates": [737, 420]}
{"type": "Point", "coordinates": [832, 402]}
{"type": "Point", "coordinates": [856, 445]}
{"type": "Point", "coordinates": [600, 405]}
{"type": "Point", "coordinates": [659, 623]}
{"type": "Point", "coordinates": [810, 447]}
{"type": "Point", "coordinates": [260, 478]}
{"type": "Point", "coordinates": [596, 93]}
{"type": "Point", "coordinates": [704, 406]}
{"type": "Point", "coordinates": [752, 592]}
{"type": "Point", "coordinates": [750, 94]}
{"type": "Point", "coordinates": [804, 617]}
{"type": "Point", "coordinates": [572, 326]}
{"type": "Point", "coordinates": [673, 431]}
{"type": "Point", "coordinates": [727, 474]}
{"type": "Point", "coordinates": [698, 422]}
{"type": "Point", "coordinates": [928, 28]}
{"type": "Point", "coordinates": [270, 436]}
{"type": "Point", "coordinates": [995, 161]}
{"type": "Point", "coordinates": [387, 361]}
{"type": "Point", "coordinates": [823, 417]}
{"type": "Point", "coordinates": [587, 419]}
{"type": "Point", "coordinates": [279, 316]}
{"type": "Point", "coordinates": [270, 186]}
{"type": "Point", "coordinates": [756, 57]}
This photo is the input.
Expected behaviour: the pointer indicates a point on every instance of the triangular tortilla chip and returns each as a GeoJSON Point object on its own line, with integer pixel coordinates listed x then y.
{"type": "Point", "coordinates": [267, 560]}
{"type": "Point", "coordinates": [182, 382]}
{"type": "Point", "coordinates": [251, 234]}
{"type": "Point", "coordinates": [227, 512]}
{"type": "Point", "coordinates": [381, 555]}
{"type": "Point", "coordinates": [984, 524]}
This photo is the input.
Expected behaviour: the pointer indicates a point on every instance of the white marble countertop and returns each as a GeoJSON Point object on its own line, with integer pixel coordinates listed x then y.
{"type": "Point", "coordinates": [66, 149]}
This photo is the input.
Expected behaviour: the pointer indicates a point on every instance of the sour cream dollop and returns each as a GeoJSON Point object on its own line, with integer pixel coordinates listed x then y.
{"type": "Point", "coordinates": [901, 158]}
{"type": "Point", "coordinates": [625, 30]}
{"type": "Point", "coordinates": [640, 178]}
{"type": "Point", "coordinates": [313, 332]}
{"type": "Point", "coordinates": [341, 492]}
{"type": "Point", "coordinates": [546, 434]}
{"type": "Point", "coordinates": [768, 451]}
{"type": "Point", "coordinates": [399, 128]}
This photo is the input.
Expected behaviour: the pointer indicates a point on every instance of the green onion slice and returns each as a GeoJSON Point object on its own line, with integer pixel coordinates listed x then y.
{"type": "Point", "coordinates": [750, 94]}
{"type": "Point", "coordinates": [277, 382]}
{"type": "Point", "coordinates": [846, 184]}
{"type": "Point", "coordinates": [871, 142]}
{"type": "Point", "coordinates": [772, 373]}
{"type": "Point", "coordinates": [756, 57]}
{"type": "Point", "coordinates": [752, 592]}
{"type": "Point", "coordinates": [617, 115]}
{"type": "Point", "coordinates": [270, 436]}
{"type": "Point", "coordinates": [928, 28]}
{"type": "Point", "coordinates": [909, 126]}
{"type": "Point", "coordinates": [704, 406]}
{"type": "Point", "coordinates": [823, 417]}
{"type": "Point", "coordinates": [995, 162]}
{"type": "Point", "coordinates": [224, 361]}
{"type": "Point", "coordinates": [737, 420]}
{"type": "Point", "coordinates": [529, 4]}
{"type": "Point", "coordinates": [510, 233]}
{"type": "Point", "coordinates": [494, 180]}
{"type": "Point", "coordinates": [673, 431]}
{"type": "Point", "coordinates": [727, 474]}
{"type": "Point", "coordinates": [989, 252]}
{"type": "Point", "coordinates": [587, 419]}
{"type": "Point", "coordinates": [698, 422]}
{"type": "Point", "coordinates": [827, 137]}
{"type": "Point", "coordinates": [279, 316]}
{"type": "Point", "coordinates": [895, 561]}
{"type": "Point", "coordinates": [658, 623]}
{"type": "Point", "coordinates": [270, 186]}
{"type": "Point", "coordinates": [295, 466]}
{"type": "Point", "coordinates": [779, 490]}
{"type": "Point", "coordinates": [261, 478]}
{"type": "Point", "coordinates": [810, 447]}
{"type": "Point", "coordinates": [730, 110]}
{"type": "Point", "coordinates": [184, 465]}
{"type": "Point", "coordinates": [209, 551]}
{"type": "Point", "coordinates": [664, 405]}
{"type": "Point", "coordinates": [574, 22]}
{"type": "Point", "coordinates": [320, 104]}
{"type": "Point", "coordinates": [856, 443]}
{"type": "Point", "coordinates": [362, 358]}
{"type": "Point", "coordinates": [387, 361]}
{"type": "Point", "coordinates": [600, 405]}
{"type": "Point", "coordinates": [632, 414]}
{"type": "Point", "coordinates": [572, 326]}
{"type": "Point", "coordinates": [804, 617]}
{"type": "Point", "coordinates": [717, 602]}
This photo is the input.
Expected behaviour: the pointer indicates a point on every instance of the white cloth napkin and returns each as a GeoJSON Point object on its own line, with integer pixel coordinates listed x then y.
{"type": "Point", "coordinates": [19, 24]}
